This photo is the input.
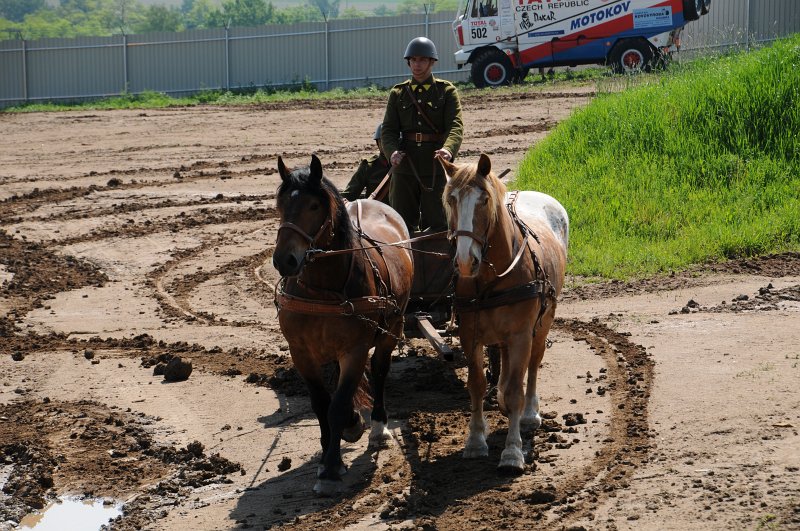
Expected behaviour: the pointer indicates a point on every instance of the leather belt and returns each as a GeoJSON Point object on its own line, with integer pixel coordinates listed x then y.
{"type": "Point", "coordinates": [412, 136]}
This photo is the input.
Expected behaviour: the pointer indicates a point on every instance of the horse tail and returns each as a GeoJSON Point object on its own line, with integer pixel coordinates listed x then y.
{"type": "Point", "coordinates": [362, 399]}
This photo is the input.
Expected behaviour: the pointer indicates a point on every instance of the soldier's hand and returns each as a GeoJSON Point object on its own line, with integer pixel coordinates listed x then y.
{"type": "Point", "coordinates": [397, 158]}
{"type": "Point", "coordinates": [443, 154]}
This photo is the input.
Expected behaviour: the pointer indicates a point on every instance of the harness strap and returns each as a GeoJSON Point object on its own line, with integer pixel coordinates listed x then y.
{"type": "Point", "coordinates": [420, 110]}
{"type": "Point", "coordinates": [419, 179]}
{"type": "Point", "coordinates": [540, 288]}
{"type": "Point", "coordinates": [358, 306]}
{"type": "Point", "coordinates": [319, 253]}
{"type": "Point", "coordinates": [530, 290]}
{"type": "Point", "coordinates": [375, 305]}
{"type": "Point", "coordinates": [468, 233]}
{"type": "Point", "coordinates": [310, 239]}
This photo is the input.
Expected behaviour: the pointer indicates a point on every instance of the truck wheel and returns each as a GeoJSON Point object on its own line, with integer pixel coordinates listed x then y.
{"type": "Point", "coordinates": [692, 9]}
{"type": "Point", "coordinates": [492, 69]}
{"type": "Point", "coordinates": [630, 57]}
{"type": "Point", "coordinates": [706, 7]}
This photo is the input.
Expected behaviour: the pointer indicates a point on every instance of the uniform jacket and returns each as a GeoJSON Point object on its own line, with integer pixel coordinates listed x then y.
{"type": "Point", "coordinates": [369, 175]}
{"type": "Point", "coordinates": [442, 106]}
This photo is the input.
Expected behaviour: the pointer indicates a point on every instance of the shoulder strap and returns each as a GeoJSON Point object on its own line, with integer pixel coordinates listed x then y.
{"type": "Point", "coordinates": [420, 110]}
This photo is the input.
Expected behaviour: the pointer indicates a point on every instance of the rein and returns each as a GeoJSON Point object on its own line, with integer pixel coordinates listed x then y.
{"type": "Point", "coordinates": [311, 240]}
{"type": "Point", "coordinates": [342, 306]}
{"type": "Point", "coordinates": [346, 308]}
{"type": "Point", "coordinates": [313, 254]}
{"type": "Point", "coordinates": [541, 287]}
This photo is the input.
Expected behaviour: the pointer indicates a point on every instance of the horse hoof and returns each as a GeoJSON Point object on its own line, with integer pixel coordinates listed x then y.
{"type": "Point", "coordinates": [327, 488]}
{"type": "Point", "coordinates": [512, 463]}
{"type": "Point", "coordinates": [472, 451]}
{"type": "Point", "coordinates": [509, 470]}
{"type": "Point", "coordinates": [354, 432]}
{"type": "Point", "coordinates": [531, 423]}
{"type": "Point", "coordinates": [341, 472]}
{"type": "Point", "coordinates": [379, 436]}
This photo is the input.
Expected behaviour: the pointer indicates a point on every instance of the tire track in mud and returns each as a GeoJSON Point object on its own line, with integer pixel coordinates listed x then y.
{"type": "Point", "coordinates": [423, 478]}
{"type": "Point", "coordinates": [426, 480]}
{"type": "Point", "coordinates": [409, 480]}
{"type": "Point", "coordinates": [408, 484]}
{"type": "Point", "coordinates": [467, 95]}
{"type": "Point", "coordinates": [174, 297]}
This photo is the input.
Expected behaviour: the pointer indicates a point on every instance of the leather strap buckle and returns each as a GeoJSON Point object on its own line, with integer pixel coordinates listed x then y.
{"type": "Point", "coordinates": [418, 138]}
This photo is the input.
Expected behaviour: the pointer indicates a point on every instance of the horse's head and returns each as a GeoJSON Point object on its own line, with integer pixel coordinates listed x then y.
{"type": "Point", "coordinates": [473, 198]}
{"type": "Point", "coordinates": [311, 212]}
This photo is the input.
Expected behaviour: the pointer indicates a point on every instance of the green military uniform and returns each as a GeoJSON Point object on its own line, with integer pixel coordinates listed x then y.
{"type": "Point", "coordinates": [369, 175]}
{"type": "Point", "coordinates": [407, 195]}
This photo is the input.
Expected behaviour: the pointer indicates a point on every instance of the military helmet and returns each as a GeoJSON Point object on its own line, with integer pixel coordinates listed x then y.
{"type": "Point", "coordinates": [421, 47]}
{"type": "Point", "coordinates": [377, 135]}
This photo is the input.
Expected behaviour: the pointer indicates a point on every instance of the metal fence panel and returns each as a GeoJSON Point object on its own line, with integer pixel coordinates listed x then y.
{"type": "Point", "coordinates": [339, 53]}
{"type": "Point", "coordinates": [74, 68]}
{"type": "Point", "coordinates": [734, 23]}
{"type": "Point", "coordinates": [275, 56]}
{"type": "Point", "coordinates": [176, 62]}
{"type": "Point", "coordinates": [12, 68]}
{"type": "Point", "coordinates": [772, 19]}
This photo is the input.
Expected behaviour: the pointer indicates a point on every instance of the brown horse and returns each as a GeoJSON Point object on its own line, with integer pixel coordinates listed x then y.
{"type": "Point", "coordinates": [341, 294]}
{"type": "Point", "coordinates": [510, 258]}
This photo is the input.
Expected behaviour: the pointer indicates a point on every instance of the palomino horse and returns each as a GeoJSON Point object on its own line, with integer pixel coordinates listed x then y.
{"type": "Point", "coordinates": [510, 259]}
{"type": "Point", "coordinates": [340, 294]}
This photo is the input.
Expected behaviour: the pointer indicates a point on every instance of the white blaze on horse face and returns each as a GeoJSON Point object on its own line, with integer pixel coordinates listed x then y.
{"type": "Point", "coordinates": [468, 250]}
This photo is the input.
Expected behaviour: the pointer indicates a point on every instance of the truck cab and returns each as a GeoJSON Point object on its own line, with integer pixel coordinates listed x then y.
{"type": "Point", "coordinates": [503, 39]}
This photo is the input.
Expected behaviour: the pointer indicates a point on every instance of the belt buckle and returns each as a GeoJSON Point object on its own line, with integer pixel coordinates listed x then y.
{"type": "Point", "coordinates": [419, 138]}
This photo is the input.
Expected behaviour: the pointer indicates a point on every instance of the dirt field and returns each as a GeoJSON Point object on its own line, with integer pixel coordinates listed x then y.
{"type": "Point", "coordinates": [129, 238]}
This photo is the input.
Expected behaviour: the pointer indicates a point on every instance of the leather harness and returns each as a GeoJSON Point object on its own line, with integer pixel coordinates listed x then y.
{"type": "Point", "coordinates": [342, 305]}
{"type": "Point", "coordinates": [487, 299]}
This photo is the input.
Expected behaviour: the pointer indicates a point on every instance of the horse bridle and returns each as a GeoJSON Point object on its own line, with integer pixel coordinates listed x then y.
{"type": "Point", "coordinates": [311, 240]}
{"type": "Point", "coordinates": [484, 240]}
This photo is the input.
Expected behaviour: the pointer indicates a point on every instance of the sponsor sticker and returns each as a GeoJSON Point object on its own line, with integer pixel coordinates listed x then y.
{"type": "Point", "coordinates": [652, 17]}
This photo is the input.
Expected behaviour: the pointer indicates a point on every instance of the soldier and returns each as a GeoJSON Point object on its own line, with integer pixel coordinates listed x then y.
{"type": "Point", "coordinates": [422, 121]}
{"type": "Point", "coordinates": [369, 173]}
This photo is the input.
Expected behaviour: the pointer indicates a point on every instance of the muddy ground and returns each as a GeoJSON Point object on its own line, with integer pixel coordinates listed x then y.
{"type": "Point", "coordinates": [130, 238]}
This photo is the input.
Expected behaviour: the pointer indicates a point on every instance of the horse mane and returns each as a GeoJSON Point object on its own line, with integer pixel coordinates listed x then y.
{"type": "Point", "coordinates": [298, 179]}
{"type": "Point", "coordinates": [467, 175]}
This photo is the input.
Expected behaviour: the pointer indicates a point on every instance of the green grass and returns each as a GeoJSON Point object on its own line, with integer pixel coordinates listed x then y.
{"type": "Point", "coordinates": [157, 100]}
{"type": "Point", "coordinates": [699, 164]}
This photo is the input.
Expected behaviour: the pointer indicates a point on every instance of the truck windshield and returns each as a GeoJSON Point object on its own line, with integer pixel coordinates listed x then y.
{"type": "Point", "coordinates": [484, 8]}
{"type": "Point", "coordinates": [467, 4]}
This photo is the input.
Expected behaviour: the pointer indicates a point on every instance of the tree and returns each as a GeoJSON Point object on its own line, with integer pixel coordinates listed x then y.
{"type": "Point", "coordinates": [383, 11]}
{"type": "Point", "coordinates": [351, 12]}
{"type": "Point", "coordinates": [328, 8]}
{"type": "Point", "coordinates": [294, 15]}
{"type": "Point", "coordinates": [15, 10]}
{"type": "Point", "coordinates": [246, 12]}
{"type": "Point", "coordinates": [198, 14]}
{"type": "Point", "coordinates": [160, 18]}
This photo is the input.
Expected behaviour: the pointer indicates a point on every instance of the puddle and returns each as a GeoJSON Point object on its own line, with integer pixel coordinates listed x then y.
{"type": "Point", "coordinates": [72, 514]}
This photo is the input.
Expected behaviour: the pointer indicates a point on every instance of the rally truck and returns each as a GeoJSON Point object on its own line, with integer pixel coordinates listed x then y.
{"type": "Point", "coordinates": [503, 39]}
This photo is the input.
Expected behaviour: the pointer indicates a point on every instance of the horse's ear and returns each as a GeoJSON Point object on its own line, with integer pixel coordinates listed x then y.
{"type": "Point", "coordinates": [449, 167]}
{"type": "Point", "coordinates": [316, 170]}
{"type": "Point", "coordinates": [484, 165]}
{"type": "Point", "coordinates": [282, 169]}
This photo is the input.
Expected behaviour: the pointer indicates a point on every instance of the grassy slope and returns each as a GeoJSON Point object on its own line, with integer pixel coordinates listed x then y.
{"type": "Point", "coordinates": [698, 165]}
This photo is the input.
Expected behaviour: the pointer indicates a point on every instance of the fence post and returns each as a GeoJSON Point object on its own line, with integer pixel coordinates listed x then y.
{"type": "Point", "coordinates": [227, 59]}
{"type": "Point", "coordinates": [747, 27]}
{"type": "Point", "coordinates": [24, 71]}
{"type": "Point", "coordinates": [125, 62]}
{"type": "Point", "coordinates": [427, 21]}
{"type": "Point", "coordinates": [327, 55]}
